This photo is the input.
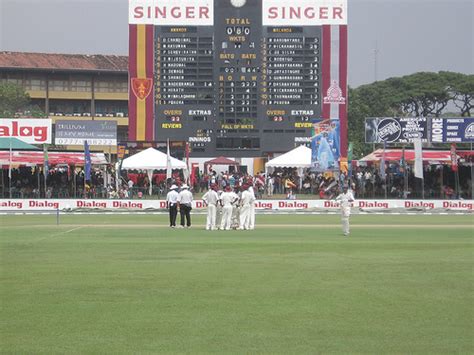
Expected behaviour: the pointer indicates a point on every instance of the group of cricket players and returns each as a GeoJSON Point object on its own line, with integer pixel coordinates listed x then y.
{"type": "Point", "coordinates": [229, 209]}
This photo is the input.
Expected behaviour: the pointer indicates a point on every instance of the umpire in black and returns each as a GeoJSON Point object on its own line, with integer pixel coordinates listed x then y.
{"type": "Point", "coordinates": [172, 204]}
{"type": "Point", "coordinates": [185, 199]}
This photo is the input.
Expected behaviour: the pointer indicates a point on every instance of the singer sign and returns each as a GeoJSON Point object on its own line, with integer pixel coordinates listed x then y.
{"type": "Point", "coordinates": [32, 131]}
{"type": "Point", "coordinates": [304, 13]}
{"type": "Point", "coordinates": [171, 12]}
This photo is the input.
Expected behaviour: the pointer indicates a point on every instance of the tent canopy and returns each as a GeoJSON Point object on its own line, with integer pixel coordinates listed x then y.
{"type": "Point", "coordinates": [299, 157]}
{"type": "Point", "coordinates": [221, 161]}
{"type": "Point", "coordinates": [54, 158]}
{"type": "Point", "coordinates": [396, 155]}
{"type": "Point", "coordinates": [16, 144]}
{"type": "Point", "coordinates": [151, 159]}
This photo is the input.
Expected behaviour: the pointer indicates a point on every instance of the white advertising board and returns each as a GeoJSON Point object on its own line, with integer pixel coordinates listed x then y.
{"type": "Point", "coordinates": [32, 131]}
{"type": "Point", "coordinates": [304, 12]}
{"type": "Point", "coordinates": [171, 12]}
{"type": "Point", "coordinates": [276, 205]}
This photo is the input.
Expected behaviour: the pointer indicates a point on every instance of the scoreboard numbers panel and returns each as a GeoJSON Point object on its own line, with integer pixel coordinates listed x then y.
{"type": "Point", "coordinates": [238, 77]}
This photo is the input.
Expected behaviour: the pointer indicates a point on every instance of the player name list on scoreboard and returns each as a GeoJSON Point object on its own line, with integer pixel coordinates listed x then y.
{"type": "Point", "coordinates": [290, 70]}
{"type": "Point", "coordinates": [184, 74]}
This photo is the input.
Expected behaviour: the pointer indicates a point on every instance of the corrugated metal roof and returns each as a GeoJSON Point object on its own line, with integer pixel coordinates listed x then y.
{"type": "Point", "coordinates": [49, 61]}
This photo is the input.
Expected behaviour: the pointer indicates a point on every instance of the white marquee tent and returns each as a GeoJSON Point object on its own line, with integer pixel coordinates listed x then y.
{"type": "Point", "coordinates": [152, 159]}
{"type": "Point", "coordinates": [299, 158]}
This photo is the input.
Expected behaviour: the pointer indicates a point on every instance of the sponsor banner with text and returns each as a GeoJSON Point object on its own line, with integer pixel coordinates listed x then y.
{"type": "Point", "coordinates": [94, 132]}
{"type": "Point", "coordinates": [277, 205]}
{"type": "Point", "coordinates": [304, 12]}
{"type": "Point", "coordinates": [171, 12]}
{"type": "Point", "coordinates": [32, 131]}
{"type": "Point", "coordinates": [396, 129]}
{"type": "Point", "coordinates": [452, 130]}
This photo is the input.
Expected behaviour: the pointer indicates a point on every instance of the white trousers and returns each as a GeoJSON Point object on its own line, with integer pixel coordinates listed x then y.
{"type": "Point", "coordinates": [245, 217]}
{"type": "Point", "coordinates": [211, 217]}
{"type": "Point", "coordinates": [345, 224]}
{"type": "Point", "coordinates": [235, 217]}
{"type": "Point", "coordinates": [226, 217]}
{"type": "Point", "coordinates": [218, 215]}
{"type": "Point", "coordinates": [270, 189]}
{"type": "Point", "coordinates": [252, 216]}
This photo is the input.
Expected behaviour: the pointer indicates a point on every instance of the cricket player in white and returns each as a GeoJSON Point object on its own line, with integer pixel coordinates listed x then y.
{"type": "Point", "coordinates": [227, 199]}
{"type": "Point", "coordinates": [211, 199]}
{"type": "Point", "coordinates": [345, 199]}
{"type": "Point", "coordinates": [219, 210]}
{"type": "Point", "coordinates": [252, 208]}
{"type": "Point", "coordinates": [245, 201]}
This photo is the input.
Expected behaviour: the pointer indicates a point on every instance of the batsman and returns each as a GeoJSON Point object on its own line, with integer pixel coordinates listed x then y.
{"type": "Point", "coordinates": [345, 198]}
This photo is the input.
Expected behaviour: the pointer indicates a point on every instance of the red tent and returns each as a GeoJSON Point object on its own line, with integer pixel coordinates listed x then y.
{"type": "Point", "coordinates": [432, 156]}
{"type": "Point", "coordinates": [54, 158]}
{"type": "Point", "coordinates": [220, 161]}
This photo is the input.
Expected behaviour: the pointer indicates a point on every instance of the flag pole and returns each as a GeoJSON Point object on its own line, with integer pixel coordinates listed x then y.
{"type": "Point", "coordinates": [87, 166]}
{"type": "Point", "coordinates": [472, 174]}
{"type": "Point", "coordinates": [382, 169]}
{"type": "Point", "coordinates": [45, 169]}
{"type": "Point", "coordinates": [10, 170]}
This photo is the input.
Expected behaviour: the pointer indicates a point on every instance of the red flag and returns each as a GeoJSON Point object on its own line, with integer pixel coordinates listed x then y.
{"type": "Point", "coordinates": [454, 158]}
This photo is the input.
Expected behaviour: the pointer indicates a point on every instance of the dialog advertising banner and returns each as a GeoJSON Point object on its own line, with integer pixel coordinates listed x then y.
{"type": "Point", "coordinates": [79, 205]}
{"type": "Point", "coordinates": [94, 132]}
{"type": "Point", "coordinates": [396, 129]}
{"type": "Point", "coordinates": [325, 144]}
{"type": "Point", "coordinates": [452, 130]}
{"type": "Point", "coordinates": [32, 131]}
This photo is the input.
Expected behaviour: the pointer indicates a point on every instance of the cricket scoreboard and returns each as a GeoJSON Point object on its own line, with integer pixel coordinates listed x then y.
{"type": "Point", "coordinates": [236, 77]}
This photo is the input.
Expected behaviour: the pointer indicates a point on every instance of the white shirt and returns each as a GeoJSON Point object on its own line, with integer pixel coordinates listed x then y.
{"type": "Point", "coordinates": [185, 197]}
{"type": "Point", "coordinates": [211, 197]}
{"type": "Point", "coordinates": [228, 197]}
{"type": "Point", "coordinates": [172, 197]}
{"type": "Point", "coordinates": [247, 198]}
{"type": "Point", "coordinates": [346, 199]}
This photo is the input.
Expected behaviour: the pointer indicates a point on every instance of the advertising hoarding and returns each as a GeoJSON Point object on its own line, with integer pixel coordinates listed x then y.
{"type": "Point", "coordinates": [261, 205]}
{"type": "Point", "coordinates": [32, 131]}
{"type": "Point", "coordinates": [304, 13]}
{"type": "Point", "coordinates": [396, 129]}
{"type": "Point", "coordinates": [171, 12]}
{"type": "Point", "coordinates": [94, 132]}
{"type": "Point", "coordinates": [452, 130]}
{"type": "Point", "coordinates": [325, 145]}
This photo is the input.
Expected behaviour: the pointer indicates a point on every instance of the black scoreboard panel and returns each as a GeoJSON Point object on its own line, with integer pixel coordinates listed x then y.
{"type": "Point", "coordinates": [290, 94]}
{"type": "Point", "coordinates": [184, 83]}
{"type": "Point", "coordinates": [238, 41]}
{"type": "Point", "coordinates": [236, 88]}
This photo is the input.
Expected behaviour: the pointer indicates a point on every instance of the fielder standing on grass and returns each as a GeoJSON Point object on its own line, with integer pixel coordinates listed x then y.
{"type": "Point", "coordinates": [211, 199]}
{"type": "Point", "coordinates": [252, 208]}
{"type": "Point", "coordinates": [346, 199]}
{"type": "Point", "coordinates": [227, 199]}
{"type": "Point", "coordinates": [172, 204]}
{"type": "Point", "coordinates": [185, 199]}
{"type": "Point", "coordinates": [246, 199]}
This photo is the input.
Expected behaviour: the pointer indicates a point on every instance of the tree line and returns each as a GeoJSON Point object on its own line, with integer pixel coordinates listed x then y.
{"type": "Point", "coordinates": [421, 94]}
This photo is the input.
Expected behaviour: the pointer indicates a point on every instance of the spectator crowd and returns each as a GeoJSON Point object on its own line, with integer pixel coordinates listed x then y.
{"type": "Point", "coordinates": [365, 181]}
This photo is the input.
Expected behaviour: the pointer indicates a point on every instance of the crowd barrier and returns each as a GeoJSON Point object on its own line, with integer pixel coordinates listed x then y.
{"type": "Point", "coordinates": [32, 205]}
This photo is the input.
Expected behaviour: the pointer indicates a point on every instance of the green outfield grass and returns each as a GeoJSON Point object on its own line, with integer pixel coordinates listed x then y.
{"type": "Point", "coordinates": [128, 284]}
